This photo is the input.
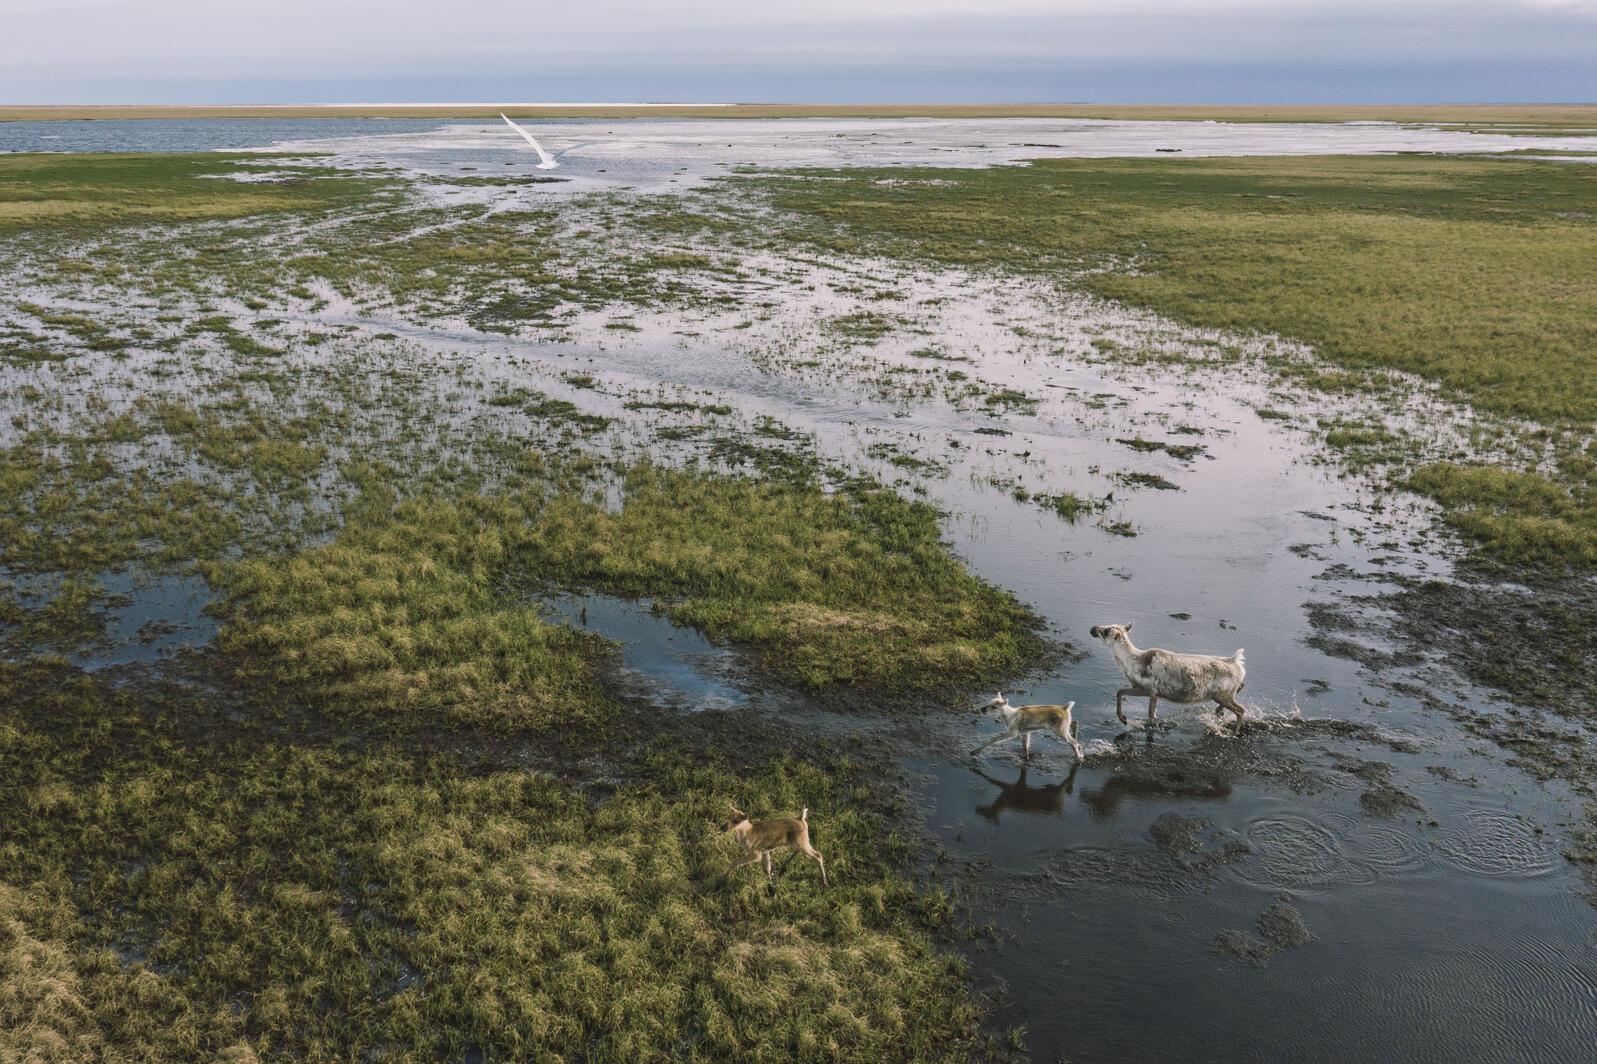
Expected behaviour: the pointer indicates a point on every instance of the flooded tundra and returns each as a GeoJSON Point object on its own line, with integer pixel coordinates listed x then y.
{"type": "Point", "coordinates": [434, 419]}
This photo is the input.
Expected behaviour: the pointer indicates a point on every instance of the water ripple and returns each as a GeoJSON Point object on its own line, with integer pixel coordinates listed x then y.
{"type": "Point", "coordinates": [1297, 853]}
{"type": "Point", "coordinates": [1490, 843]}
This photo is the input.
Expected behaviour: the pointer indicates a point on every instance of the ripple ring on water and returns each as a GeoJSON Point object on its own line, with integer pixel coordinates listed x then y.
{"type": "Point", "coordinates": [1491, 843]}
{"type": "Point", "coordinates": [1300, 854]}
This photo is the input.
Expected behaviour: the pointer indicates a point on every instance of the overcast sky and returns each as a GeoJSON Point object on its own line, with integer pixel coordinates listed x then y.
{"type": "Point", "coordinates": [868, 51]}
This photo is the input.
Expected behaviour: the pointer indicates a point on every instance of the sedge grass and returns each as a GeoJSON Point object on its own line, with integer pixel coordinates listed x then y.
{"type": "Point", "coordinates": [170, 894]}
{"type": "Point", "coordinates": [1479, 274]}
{"type": "Point", "coordinates": [405, 619]}
{"type": "Point", "coordinates": [91, 191]}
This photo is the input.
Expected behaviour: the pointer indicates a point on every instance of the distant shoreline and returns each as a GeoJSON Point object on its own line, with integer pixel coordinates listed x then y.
{"type": "Point", "coordinates": [1540, 115]}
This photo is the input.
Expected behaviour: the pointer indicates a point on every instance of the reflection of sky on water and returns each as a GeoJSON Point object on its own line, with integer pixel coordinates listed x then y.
{"type": "Point", "coordinates": [659, 151]}
{"type": "Point", "coordinates": [195, 134]}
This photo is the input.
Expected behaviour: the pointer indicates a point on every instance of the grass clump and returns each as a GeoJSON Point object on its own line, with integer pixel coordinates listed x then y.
{"type": "Point", "coordinates": [1134, 479]}
{"type": "Point", "coordinates": [400, 620]}
{"type": "Point", "coordinates": [1519, 517]}
{"type": "Point", "coordinates": [863, 325]}
{"type": "Point", "coordinates": [412, 616]}
{"type": "Point", "coordinates": [1184, 452]}
{"type": "Point", "coordinates": [173, 894]}
{"type": "Point", "coordinates": [852, 588]}
{"type": "Point", "coordinates": [52, 191]}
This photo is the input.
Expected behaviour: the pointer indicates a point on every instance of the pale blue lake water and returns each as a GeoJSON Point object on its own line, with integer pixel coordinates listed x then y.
{"type": "Point", "coordinates": [200, 134]}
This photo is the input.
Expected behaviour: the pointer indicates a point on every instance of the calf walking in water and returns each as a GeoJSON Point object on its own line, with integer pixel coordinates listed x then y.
{"type": "Point", "coordinates": [1180, 678]}
{"type": "Point", "coordinates": [1020, 721]}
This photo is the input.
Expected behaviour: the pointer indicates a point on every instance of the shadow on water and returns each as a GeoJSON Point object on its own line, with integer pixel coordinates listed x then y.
{"type": "Point", "coordinates": [1194, 783]}
{"type": "Point", "coordinates": [1021, 797]}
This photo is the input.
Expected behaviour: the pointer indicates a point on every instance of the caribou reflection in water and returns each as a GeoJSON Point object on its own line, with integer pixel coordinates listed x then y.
{"type": "Point", "coordinates": [1017, 795]}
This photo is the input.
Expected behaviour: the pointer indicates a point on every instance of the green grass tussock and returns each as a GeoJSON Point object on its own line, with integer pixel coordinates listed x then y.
{"type": "Point", "coordinates": [163, 899]}
{"type": "Point", "coordinates": [1476, 273]}
{"type": "Point", "coordinates": [54, 191]}
{"type": "Point", "coordinates": [402, 621]}
{"type": "Point", "coordinates": [1520, 517]}
{"type": "Point", "coordinates": [409, 615]}
{"type": "Point", "coordinates": [852, 588]}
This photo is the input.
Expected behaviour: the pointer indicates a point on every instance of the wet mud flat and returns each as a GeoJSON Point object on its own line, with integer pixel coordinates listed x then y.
{"type": "Point", "coordinates": [1376, 860]}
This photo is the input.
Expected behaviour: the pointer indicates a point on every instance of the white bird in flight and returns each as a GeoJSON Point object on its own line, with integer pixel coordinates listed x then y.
{"type": "Point", "coordinates": [545, 160]}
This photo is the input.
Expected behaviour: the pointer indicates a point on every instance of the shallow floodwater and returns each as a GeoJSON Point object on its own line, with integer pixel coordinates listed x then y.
{"type": "Point", "coordinates": [1356, 876]}
{"type": "Point", "coordinates": [655, 154]}
{"type": "Point", "coordinates": [197, 134]}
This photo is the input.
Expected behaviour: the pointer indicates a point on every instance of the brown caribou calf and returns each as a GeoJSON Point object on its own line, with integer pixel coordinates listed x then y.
{"type": "Point", "coordinates": [760, 839]}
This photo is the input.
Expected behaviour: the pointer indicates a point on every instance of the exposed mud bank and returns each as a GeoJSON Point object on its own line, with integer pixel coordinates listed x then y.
{"type": "Point", "coordinates": [1534, 642]}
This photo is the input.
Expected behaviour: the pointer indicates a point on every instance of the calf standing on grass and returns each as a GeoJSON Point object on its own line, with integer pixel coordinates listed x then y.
{"type": "Point", "coordinates": [760, 838]}
{"type": "Point", "coordinates": [1180, 678]}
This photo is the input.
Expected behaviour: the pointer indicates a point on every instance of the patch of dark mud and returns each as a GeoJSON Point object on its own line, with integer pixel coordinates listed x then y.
{"type": "Point", "coordinates": [1331, 728]}
{"type": "Point", "coordinates": [1450, 775]}
{"type": "Point", "coordinates": [1541, 748]}
{"type": "Point", "coordinates": [1535, 643]}
{"type": "Point", "coordinates": [1333, 623]}
{"type": "Point", "coordinates": [1176, 834]}
{"type": "Point", "coordinates": [1365, 655]}
{"type": "Point", "coordinates": [1386, 800]}
{"type": "Point", "coordinates": [1239, 945]}
{"type": "Point", "coordinates": [1282, 928]}
{"type": "Point", "coordinates": [1582, 850]}
{"type": "Point", "coordinates": [1183, 837]}
{"type": "Point", "coordinates": [1383, 798]}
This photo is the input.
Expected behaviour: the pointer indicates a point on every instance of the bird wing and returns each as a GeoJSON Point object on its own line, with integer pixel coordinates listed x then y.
{"type": "Point", "coordinates": [545, 160]}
